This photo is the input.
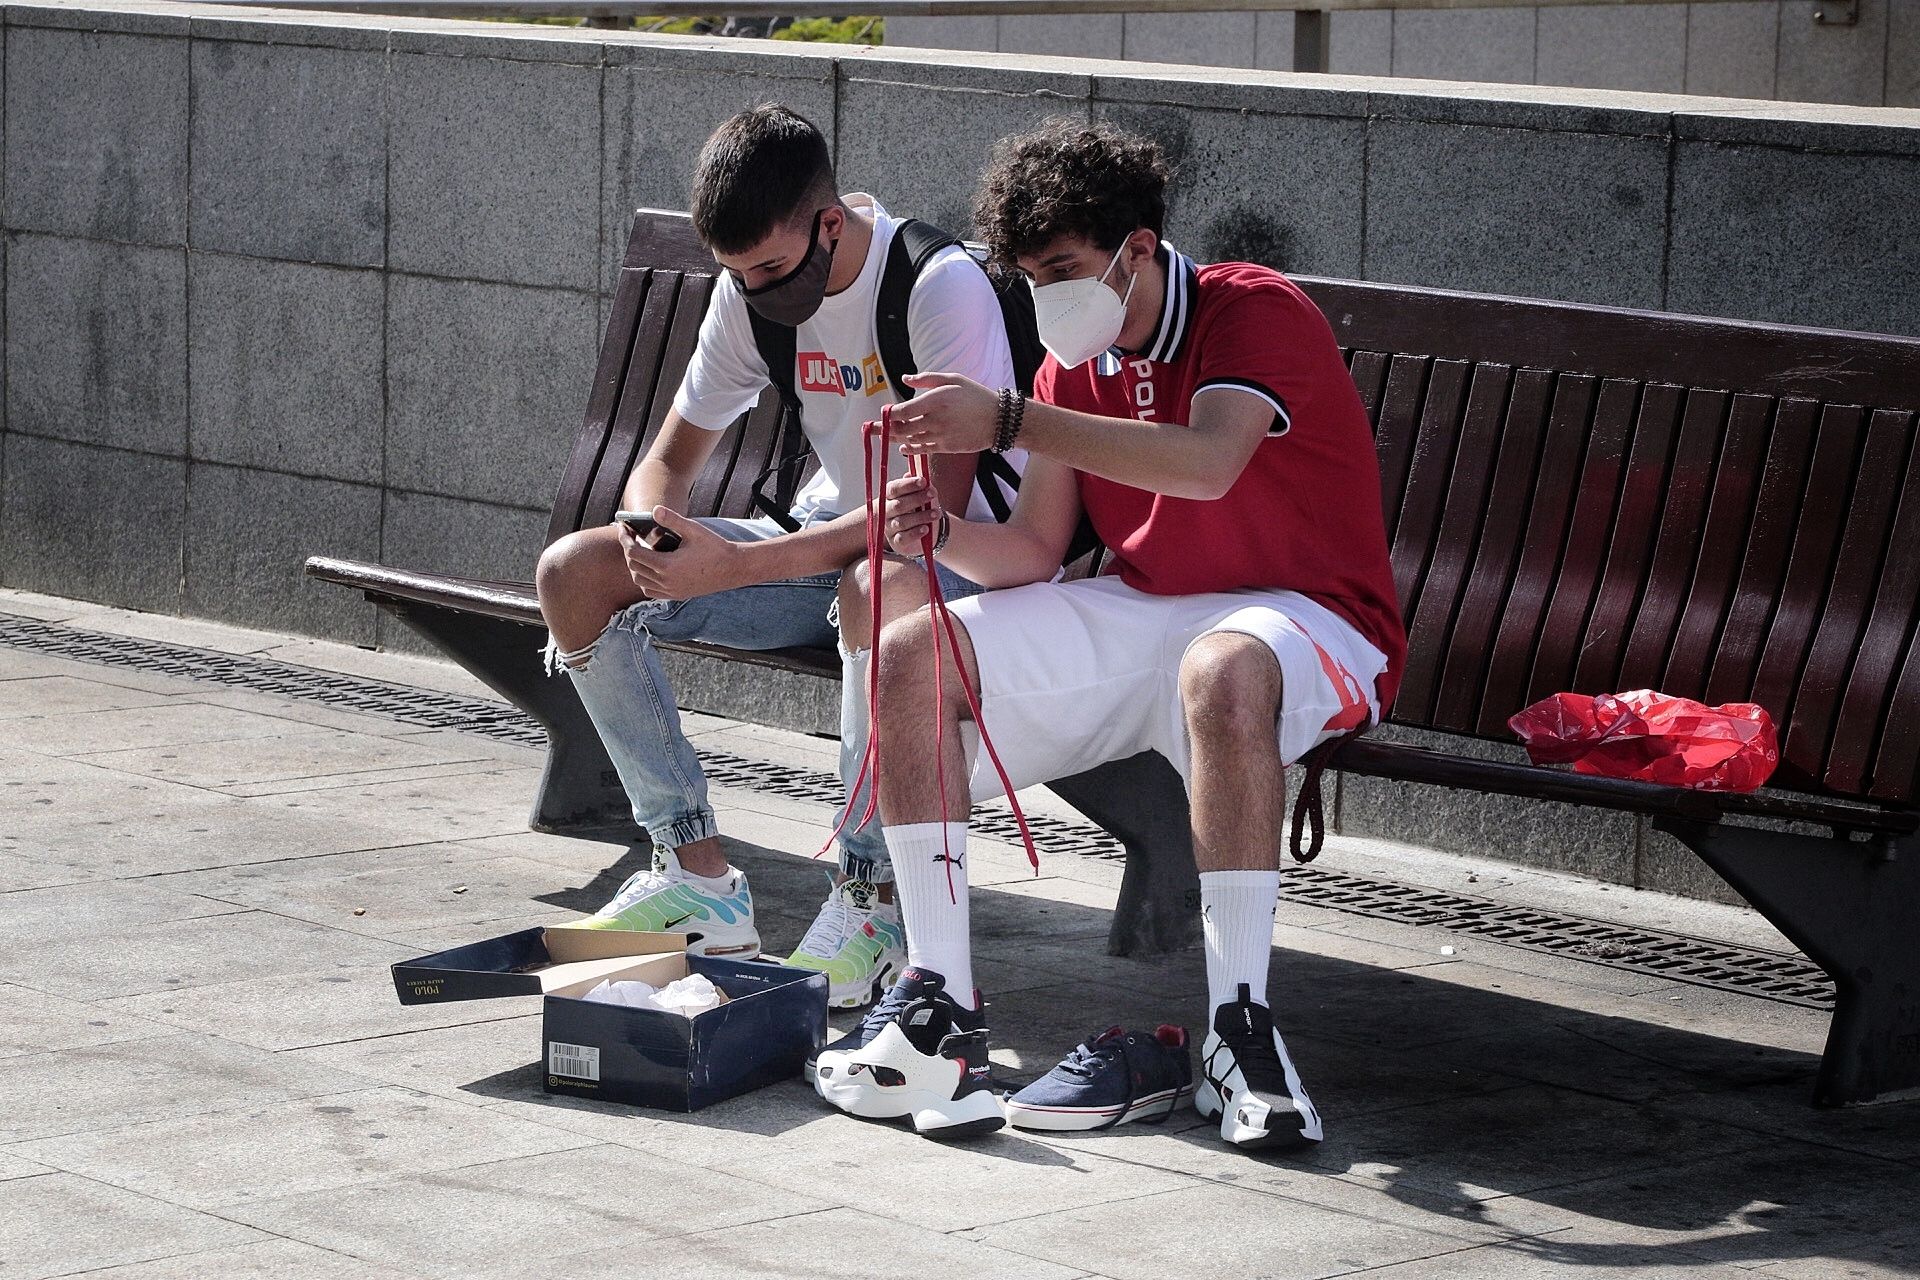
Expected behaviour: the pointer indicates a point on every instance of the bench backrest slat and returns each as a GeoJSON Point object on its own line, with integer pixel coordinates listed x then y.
{"type": "Point", "coordinates": [1890, 632]}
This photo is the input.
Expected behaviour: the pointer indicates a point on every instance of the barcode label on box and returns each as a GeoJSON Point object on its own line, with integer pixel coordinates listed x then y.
{"type": "Point", "coordinates": [581, 1061]}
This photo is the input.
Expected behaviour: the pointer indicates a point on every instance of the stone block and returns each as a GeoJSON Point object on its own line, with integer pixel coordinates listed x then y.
{"type": "Point", "coordinates": [450, 535]}
{"type": "Point", "coordinates": [1732, 46]}
{"type": "Point", "coordinates": [1197, 39]}
{"type": "Point", "coordinates": [96, 135]}
{"type": "Point", "coordinates": [248, 535]}
{"type": "Point", "coordinates": [67, 530]}
{"type": "Point", "coordinates": [485, 387]}
{"type": "Point", "coordinates": [1545, 108]}
{"type": "Point", "coordinates": [494, 170]}
{"type": "Point", "coordinates": [1515, 222]}
{"type": "Point", "coordinates": [1464, 44]}
{"type": "Point", "coordinates": [1360, 43]}
{"type": "Point", "coordinates": [1754, 237]}
{"type": "Point", "coordinates": [60, 1224]}
{"type": "Point", "coordinates": [289, 151]}
{"type": "Point", "coordinates": [980, 34]}
{"type": "Point", "coordinates": [783, 699]}
{"type": "Point", "coordinates": [1903, 54]}
{"type": "Point", "coordinates": [1612, 46]}
{"type": "Point", "coordinates": [660, 109]}
{"type": "Point", "coordinates": [1273, 41]}
{"type": "Point", "coordinates": [923, 144]}
{"type": "Point", "coordinates": [1589, 842]}
{"type": "Point", "coordinates": [1094, 35]}
{"type": "Point", "coordinates": [1282, 190]}
{"type": "Point", "coordinates": [1833, 63]}
{"type": "Point", "coordinates": [309, 29]}
{"type": "Point", "coordinates": [123, 17]}
{"type": "Point", "coordinates": [97, 342]}
{"type": "Point", "coordinates": [518, 42]}
{"type": "Point", "coordinates": [287, 362]}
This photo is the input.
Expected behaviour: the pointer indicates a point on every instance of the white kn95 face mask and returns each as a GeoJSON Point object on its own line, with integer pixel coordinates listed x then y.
{"type": "Point", "coordinates": [1078, 319]}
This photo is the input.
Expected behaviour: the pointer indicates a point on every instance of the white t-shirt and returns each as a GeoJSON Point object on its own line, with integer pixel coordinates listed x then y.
{"type": "Point", "coordinates": [953, 323]}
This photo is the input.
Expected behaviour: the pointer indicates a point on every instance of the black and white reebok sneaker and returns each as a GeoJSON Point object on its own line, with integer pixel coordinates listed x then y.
{"type": "Point", "coordinates": [1248, 1083]}
{"type": "Point", "coordinates": [921, 1056]}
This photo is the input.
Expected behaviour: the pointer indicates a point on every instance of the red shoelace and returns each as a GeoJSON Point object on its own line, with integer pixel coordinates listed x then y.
{"type": "Point", "coordinates": [946, 640]}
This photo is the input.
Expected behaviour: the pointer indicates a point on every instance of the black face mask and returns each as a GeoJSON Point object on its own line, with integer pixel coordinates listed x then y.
{"type": "Point", "coordinates": [793, 298]}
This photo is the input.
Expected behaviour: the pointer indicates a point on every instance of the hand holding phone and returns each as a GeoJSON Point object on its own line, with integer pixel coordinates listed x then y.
{"type": "Point", "coordinates": [643, 525]}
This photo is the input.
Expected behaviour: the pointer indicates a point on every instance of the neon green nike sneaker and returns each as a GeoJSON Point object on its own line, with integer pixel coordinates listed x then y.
{"type": "Point", "coordinates": [857, 941]}
{"type": "Point", "coordinates": [715, 914]}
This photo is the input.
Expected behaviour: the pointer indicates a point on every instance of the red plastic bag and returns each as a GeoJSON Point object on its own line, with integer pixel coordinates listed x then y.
{"type": "Point", "coordinates": [1651, 737]}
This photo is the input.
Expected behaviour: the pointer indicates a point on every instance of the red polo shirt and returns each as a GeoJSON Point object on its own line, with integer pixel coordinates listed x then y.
{"type": "Point", "coordinates": [1305, 514]}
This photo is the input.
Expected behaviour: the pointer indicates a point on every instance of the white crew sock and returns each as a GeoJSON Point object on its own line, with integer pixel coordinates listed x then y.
{"type": "Point", "coordinates": [936, 922]}
{"type": "Point", "coordinates": [1236, 916]}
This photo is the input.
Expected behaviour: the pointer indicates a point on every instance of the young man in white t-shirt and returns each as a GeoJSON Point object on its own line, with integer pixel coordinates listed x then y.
{"type": "Point", "coordinates": [792, 249]}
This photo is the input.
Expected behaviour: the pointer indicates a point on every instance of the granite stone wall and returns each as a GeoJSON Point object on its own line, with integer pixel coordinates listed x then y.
{"type": "Point", "coordinates": [280, 284]}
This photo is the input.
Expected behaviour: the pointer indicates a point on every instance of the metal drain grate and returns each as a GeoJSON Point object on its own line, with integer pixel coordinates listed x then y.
{"type": "Point", "coordinates": [1773, 975]}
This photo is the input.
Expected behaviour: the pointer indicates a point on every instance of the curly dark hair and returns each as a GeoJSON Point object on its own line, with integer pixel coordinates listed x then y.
{"type": "Point", "coordinates": [1068, 177]}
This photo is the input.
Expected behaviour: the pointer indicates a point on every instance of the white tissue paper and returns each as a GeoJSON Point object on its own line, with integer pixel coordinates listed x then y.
{"type": "Point", "coordinates": [685, 996]}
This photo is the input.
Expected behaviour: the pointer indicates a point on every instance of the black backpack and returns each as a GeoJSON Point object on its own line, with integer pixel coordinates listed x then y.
{"type": "Point", "coordinates": [914, 245]}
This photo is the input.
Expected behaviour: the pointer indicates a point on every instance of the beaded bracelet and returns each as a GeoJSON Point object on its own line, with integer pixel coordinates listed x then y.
{"type": "Point", "coordinates": [1013, 412]}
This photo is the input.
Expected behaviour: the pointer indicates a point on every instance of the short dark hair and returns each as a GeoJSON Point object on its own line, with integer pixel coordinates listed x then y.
{"type": "Point", "coordinates": [1068, 177]}
{"type": "Point", "coordinates": [756, 174]}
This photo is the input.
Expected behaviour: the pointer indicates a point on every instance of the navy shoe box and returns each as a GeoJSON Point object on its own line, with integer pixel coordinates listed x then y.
{"type": "Point", "coordinates": [772, 1019]}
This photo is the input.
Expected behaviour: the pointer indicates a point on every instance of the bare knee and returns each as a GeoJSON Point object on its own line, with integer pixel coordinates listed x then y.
{"type": "Point", "coordinates": [1229, 688]}
{"type": "Point", "coordinates": [905, 657]}
{"type": "Point", "coordinates": [903, 590]}
{"type": "Point", "coordinates": [582, 582]}
{"type": "Point", "coordinates": [856, 606]}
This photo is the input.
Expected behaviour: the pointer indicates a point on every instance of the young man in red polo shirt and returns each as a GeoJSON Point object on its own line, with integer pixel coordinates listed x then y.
{"type": "Point", "coordinates": [1202, 417]}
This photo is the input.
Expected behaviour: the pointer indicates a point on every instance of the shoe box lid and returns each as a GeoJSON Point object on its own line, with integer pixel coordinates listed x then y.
{"type": "Point", "coordinates": [531, 962]}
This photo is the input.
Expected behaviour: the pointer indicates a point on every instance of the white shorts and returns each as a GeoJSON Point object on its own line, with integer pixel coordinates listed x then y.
{"type": "Point", "coordinates": [1076, 674]}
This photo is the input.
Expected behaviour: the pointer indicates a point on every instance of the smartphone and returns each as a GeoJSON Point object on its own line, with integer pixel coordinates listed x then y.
{"type": "Point", "coordinates": [643, 524]}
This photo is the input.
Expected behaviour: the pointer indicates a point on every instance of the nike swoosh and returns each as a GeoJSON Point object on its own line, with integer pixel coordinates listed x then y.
{"type": "Point", "coordinates": [681, 920]}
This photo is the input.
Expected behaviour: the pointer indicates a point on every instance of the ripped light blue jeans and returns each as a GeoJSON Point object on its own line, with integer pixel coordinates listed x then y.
{"type": "Point", "coordinates": [625, 690]}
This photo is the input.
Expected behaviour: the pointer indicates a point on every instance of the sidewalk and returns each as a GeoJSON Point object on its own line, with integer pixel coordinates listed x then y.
{"type": "Point", "coordinates": [204, 1071]}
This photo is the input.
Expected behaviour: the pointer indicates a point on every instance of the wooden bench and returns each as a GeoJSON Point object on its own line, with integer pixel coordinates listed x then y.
{"type": "Point", "coordinates": [1579, 498]}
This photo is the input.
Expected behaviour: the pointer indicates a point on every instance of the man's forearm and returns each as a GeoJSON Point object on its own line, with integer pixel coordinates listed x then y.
{"type": "Point", "coordinates": [822, 548]}
{"type": "Point", "coordinates": [997, 555]}
{"type": "Point", "coordinates": [655, 484]}
{"type": "Point", "coordinates": [1181, 461]}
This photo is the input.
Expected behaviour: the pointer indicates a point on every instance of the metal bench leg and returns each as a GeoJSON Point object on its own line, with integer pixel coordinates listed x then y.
{"type": "Point", "coordinates": [1141, 803]}
{"type": "Point", "coordinates": [1849, 907]}
{"type": "Point", "coordinates": [580, 794]}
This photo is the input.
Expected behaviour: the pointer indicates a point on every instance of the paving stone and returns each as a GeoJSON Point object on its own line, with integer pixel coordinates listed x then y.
{"type": "Point", "coordinates": [102, 1086]}
{"type": "Point", "coordinates": [295, 754]}
{"type": "Point", "coordinates": [96, 131]}
{"type": "Point", "coordinates": [662, 103]}
{"type": "Point", "coordinates": [192, 633]}
{"type": "Point", "coordinates": [12, 1167]}
{"type": "Point", "coordinates": [98, 1226]}
{"type": "Point", "coordinates": [1541, 1259]}
{"type": "Point", "coordinates": [420, 810]}
{"type": "Point", "coordinates": [180, 954]}
{"type": "Point", "coordinates": [286, 369]}
{"type": "Point", "coordinates": [66, 695]}
{"type": "Point", "coordinates": [1597, 240]}
{"type": "Point", "coordinates": [449, 1061]}
{"type": "Point", "coordinates": [322, 1143]}
{"type": "Point", "coordinates": [97, 344]}
{"type": "Point", "coordinates": [546, 1206]}
{"type": "Point", "coordinates": [1222, 210]}
{"type": "Point", "coordinates": [1778, 1108]}
{"type": "Point", "coordinates": [268, 1260]}
{"type": "Point", "coordinates": [1776, 1202]}
{"type": "Point", "coordinates": [34, 1022]}
{"type": "Point", "coordinates": [1732, 46]}
{"type": "Point", "coordinates": [1754, 213]}
{"type": "Point", "coordinates": [494, 171]}
{"type": "Point", "coordinates": [885, 1250]}
{"type": "Point", "coordinates": [99, 908]}
{"type": "Point", "coordinates": [1614, 47]}
{"type": "Point", "coordinates": [1204, 1230]}
{"type": "Point", "coordinates": [168, 724]}
{"type": "Point", "coordinates": [1465, 44]}
{"type": "Point", "coordinates": [511, 365]}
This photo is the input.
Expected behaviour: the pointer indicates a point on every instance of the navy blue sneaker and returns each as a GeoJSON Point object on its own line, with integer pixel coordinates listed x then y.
{"type": "Point", "coordinates": [1110, 1078]}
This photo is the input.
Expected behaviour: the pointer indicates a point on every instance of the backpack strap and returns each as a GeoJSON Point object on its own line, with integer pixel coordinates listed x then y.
{"type": "Point", "coordinates": [778, 345]}
{"type": "Point", "coordinates": [914, 244]}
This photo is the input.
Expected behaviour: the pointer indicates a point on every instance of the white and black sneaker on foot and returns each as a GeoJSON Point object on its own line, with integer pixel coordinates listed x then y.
{"type": "Point", "coordinates": [920, 1056]}
{"type": "Point", "coordinates": [1248, 1083]}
